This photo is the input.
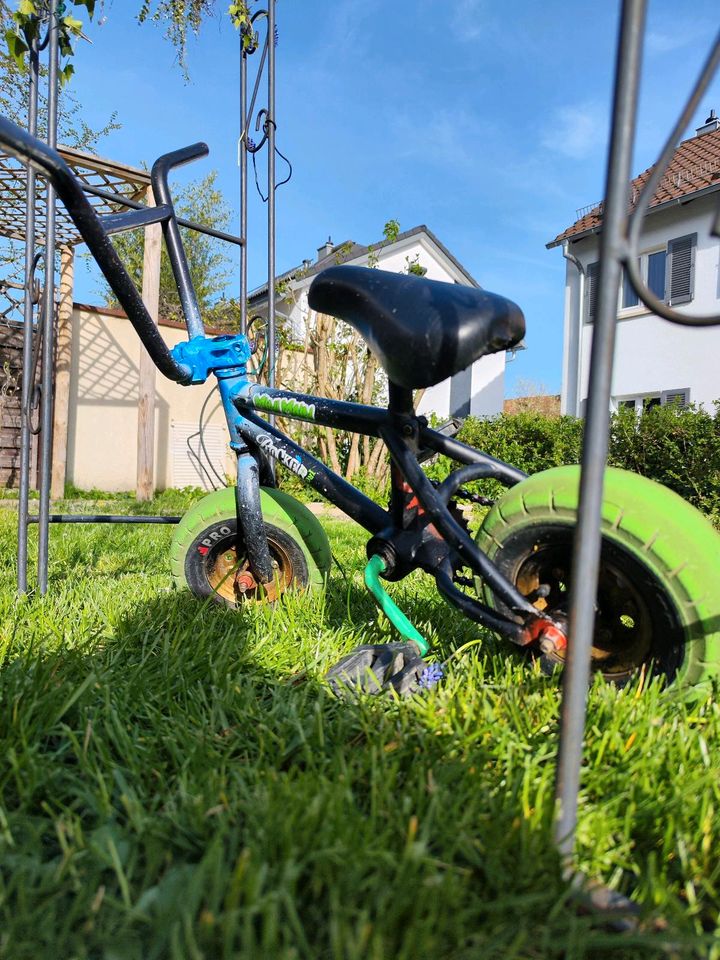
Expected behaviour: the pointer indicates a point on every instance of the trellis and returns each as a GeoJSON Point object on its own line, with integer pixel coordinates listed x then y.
{"type": "Point", "coordinates": [110, 186]}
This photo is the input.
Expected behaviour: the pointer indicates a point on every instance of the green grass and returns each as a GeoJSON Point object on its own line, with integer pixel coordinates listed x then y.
{"type": "Point", "coordinates": [179, 783]}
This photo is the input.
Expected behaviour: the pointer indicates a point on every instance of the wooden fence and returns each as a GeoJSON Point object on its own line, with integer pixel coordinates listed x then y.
{"type": "Point", "coordinates": [11, 342]}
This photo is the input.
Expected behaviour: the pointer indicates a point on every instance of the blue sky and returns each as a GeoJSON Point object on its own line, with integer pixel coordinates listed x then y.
{"type": "Point", "coordinates": [488, 122]}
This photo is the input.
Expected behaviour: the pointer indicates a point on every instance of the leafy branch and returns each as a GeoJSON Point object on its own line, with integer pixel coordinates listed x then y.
{"type": "Point", "coordinates": [181, 14]}
{"type": "Point", "coordinates": [178, 15]}
{"type": "Point", "coordinates": [28, 21]}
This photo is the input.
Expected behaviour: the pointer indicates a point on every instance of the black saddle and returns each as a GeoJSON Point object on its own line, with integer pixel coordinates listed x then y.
{"type": "Point", "coordinates": [422, 331]}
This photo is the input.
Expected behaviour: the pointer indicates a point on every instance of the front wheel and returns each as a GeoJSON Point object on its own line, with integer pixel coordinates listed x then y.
{"type": "Point", "coordinates": [207, 558]}
{"type": "Point", "coordinates": [658, 600]}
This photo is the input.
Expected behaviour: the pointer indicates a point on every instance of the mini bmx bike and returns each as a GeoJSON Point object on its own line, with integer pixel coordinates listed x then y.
{"type": "Point", "coordinates": [658, 602]}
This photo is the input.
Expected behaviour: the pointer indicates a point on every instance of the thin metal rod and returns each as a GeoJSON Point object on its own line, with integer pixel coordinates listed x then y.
{"type": "Point", "coordinates": [29, 309]}
{"type": "Point", "coordinates": [243, 186]}
{"type": "Point", "coordinates": [586, 553]}
{"type": "Point", "coordinates": [46, 411]}
{"type": "Point", "coordinates": [271, 195]}
{"type": "Point", "coordinates": [136, 205]}
{"type": "Point", "coordinates": [101, 518]}
{"type": "Point", "coordinates": [247, 116]}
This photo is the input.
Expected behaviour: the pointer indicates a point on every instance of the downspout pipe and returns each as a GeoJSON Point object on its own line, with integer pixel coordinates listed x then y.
{"type": "Point", "coordinates": [581, 293]}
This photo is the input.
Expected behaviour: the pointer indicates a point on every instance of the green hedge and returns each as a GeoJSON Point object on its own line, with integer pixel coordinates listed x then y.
{"type": "Point", "coordinates": [529, 441]}
{"type": "Point", "coordinates": [677, 447]}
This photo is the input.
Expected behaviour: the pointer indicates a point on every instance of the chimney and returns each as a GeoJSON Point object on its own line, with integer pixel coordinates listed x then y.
{"type": "Point", "coordinates": [712, 123]}
{"type": "Point", "coordinates": [325, 250]}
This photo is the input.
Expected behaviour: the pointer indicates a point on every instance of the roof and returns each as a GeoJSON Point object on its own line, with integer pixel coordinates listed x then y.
{"type": "Point", "coordinates": [694, 168]}
{"type": "Point", "coordinates": [344, 252]}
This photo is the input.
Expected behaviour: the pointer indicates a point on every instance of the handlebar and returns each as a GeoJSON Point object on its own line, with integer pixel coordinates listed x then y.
{"type": "Point", "coordinates": [32, 152]}
{"type": "Point", "coordinates": [171, 231]}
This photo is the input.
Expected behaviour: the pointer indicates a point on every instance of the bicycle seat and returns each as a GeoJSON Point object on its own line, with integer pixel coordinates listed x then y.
{"type": "Point", "coordinates": [422, 331]}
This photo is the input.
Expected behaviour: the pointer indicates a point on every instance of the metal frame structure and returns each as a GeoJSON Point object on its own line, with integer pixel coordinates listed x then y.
{"type": "Point", "coordinates": [256, 442]}
{"type": "Point", "coordinates": [618, 249]}
{"type": "Point", "coordinates": [116, 192]}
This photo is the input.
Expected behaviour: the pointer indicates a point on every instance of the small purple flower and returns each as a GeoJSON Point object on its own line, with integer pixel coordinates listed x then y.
{"type": "Point", "coordinates": [431, 675]}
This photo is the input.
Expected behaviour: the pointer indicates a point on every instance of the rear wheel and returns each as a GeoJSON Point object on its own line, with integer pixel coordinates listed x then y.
{"type": "Point", "coordinates": [658, 601]}
{"type": "Point", "coordinates": [206, 559]}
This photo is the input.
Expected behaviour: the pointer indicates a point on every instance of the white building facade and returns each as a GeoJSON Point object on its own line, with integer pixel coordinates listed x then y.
{"type": "Point", "coordinates": [478, 391]}
{"type": "Point", "coordinates": [656, 362]}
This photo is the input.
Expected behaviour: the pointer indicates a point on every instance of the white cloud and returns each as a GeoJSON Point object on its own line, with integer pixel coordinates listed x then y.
{"type": "Point", "coordinates": [439, 136]}
{"type": "Point", "coordinates": [468, 19]}
{"type": "Point", "coordinates": [665, 42]}
{"type": "Point", "coordinates": [576, 131]}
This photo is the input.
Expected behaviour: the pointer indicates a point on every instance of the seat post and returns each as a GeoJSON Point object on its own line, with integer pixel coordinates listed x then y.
{"type": "Point", "coordinates": [400, 400]}
{"type": "Point", "coordinates": [402, 413]}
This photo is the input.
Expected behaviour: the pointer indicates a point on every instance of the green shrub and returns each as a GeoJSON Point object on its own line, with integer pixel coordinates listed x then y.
{"type": "Point", "coordinates": [529, 441]}
{"type": "Point", "coordinates": [678, 447]}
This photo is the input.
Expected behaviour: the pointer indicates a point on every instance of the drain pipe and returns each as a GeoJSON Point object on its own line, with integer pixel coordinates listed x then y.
{"type": "Point", "coordinates": [578, 352]}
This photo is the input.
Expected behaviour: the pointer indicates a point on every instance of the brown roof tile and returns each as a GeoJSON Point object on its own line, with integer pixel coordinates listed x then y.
{"type": "Point", "coordinates": [695, 166]}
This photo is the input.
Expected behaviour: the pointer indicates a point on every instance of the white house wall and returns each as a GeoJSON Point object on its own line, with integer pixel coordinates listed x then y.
{"type": "Point", "coordinates": [488, 385]}
{"type": "Point", "coordinates": [652, 354]}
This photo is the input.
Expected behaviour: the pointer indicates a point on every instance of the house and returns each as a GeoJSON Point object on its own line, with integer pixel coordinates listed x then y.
{"type": "Point", "coordinates": [479, 390]}
{"type": "Point", "coordinates": [656, 361]}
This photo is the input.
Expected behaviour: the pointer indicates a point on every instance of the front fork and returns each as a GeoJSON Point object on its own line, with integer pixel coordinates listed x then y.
{"type": "Point", "coordinates": [248, 505]}
{"type": "Point", "coordinates": [250, 524]}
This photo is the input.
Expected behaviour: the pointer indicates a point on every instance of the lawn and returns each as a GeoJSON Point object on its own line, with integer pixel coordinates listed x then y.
{"type": "Point", "coordinates": [179, 783]}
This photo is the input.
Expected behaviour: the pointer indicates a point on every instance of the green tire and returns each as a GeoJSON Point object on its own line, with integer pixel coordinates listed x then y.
{"type": "Point", "coordinates": [659, 586]}
{"type": "Point", "coordinates": [295, 531]}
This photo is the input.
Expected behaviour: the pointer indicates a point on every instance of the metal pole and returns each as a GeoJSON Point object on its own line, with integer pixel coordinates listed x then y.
{"type": "Point", "coordinates": [49, 317]}
{"type": "Point", "coordinates": [271, 195]}
{"type": "Point", "coordinates": [586, 553]}
{"type": "Point", "coordinates": [244, 122]}
{"type": "Point", "coordinates": [27, 371]}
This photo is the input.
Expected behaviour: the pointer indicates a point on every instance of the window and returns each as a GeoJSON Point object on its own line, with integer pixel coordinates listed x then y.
{"type": "Point", "coordinates": [647, 401]}
{"type": "Point", "coordinates": [655, 277]}
{"type": "Point", "coordinates": [628, 296]}
{"type": "Point", "coordinates": [652, 270]}
{"type": "Point", "coordinates": [668, 273]}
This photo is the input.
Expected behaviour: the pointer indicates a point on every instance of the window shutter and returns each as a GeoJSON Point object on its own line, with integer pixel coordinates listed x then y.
{"type": "Point", "coordinates": [680, 280]}
{"type": "Point", "coordinates": [679, 397]}
{"type": "Point", "coordinates": [591, 289]}
{"type": "Point", "coordinates": [193, 465]}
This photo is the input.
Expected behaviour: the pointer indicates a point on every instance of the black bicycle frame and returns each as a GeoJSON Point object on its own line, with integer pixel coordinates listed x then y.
{"type": "Point", "coordinates": [402, 432]}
